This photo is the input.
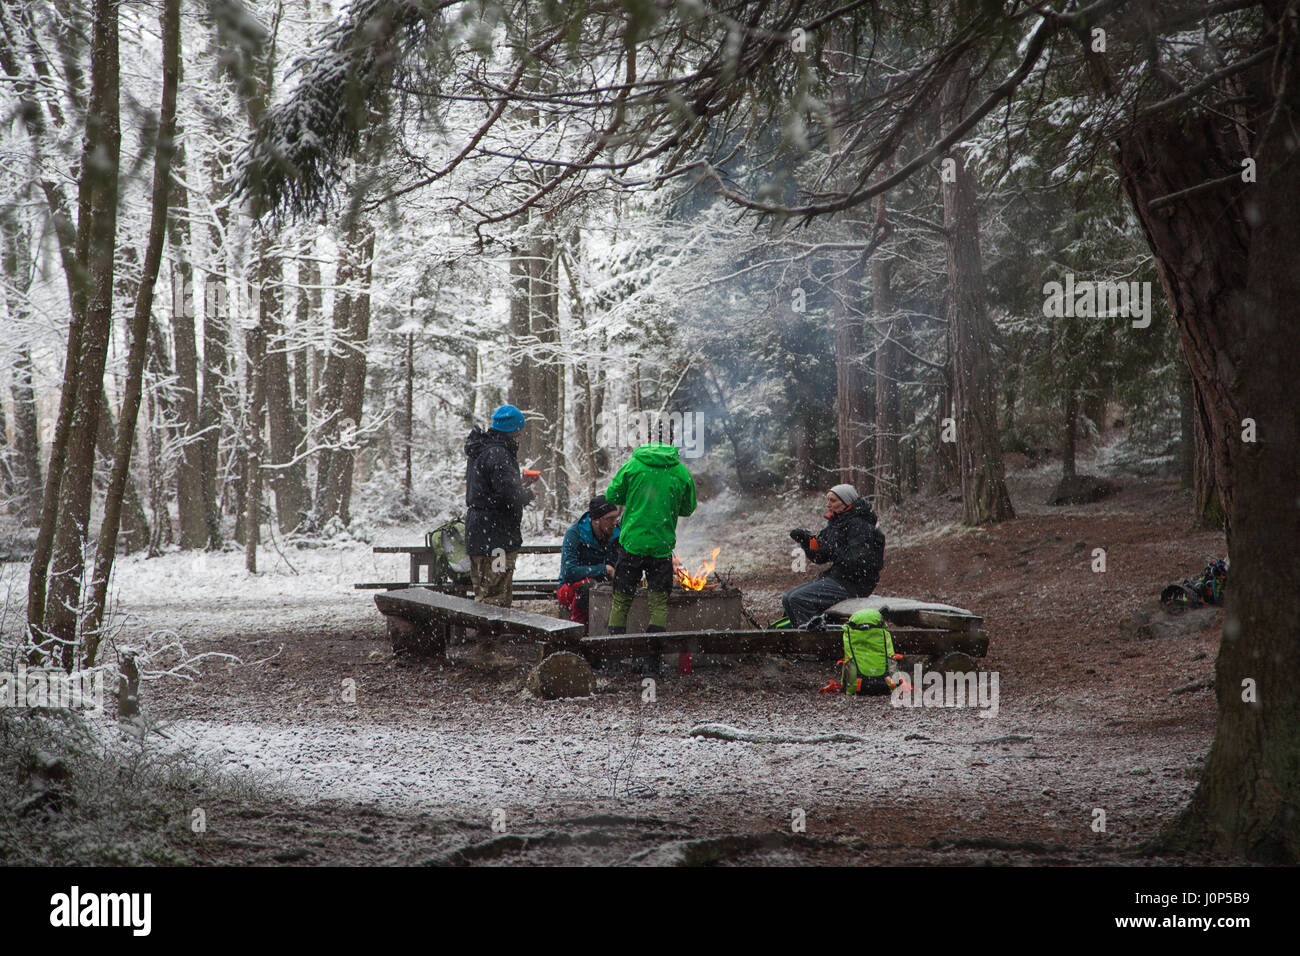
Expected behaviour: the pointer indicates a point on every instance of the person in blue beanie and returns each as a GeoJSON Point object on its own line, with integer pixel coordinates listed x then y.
{"type": "Point", "coordinates": [496, 494]}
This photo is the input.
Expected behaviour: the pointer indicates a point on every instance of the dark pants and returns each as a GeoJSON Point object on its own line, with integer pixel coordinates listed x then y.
{"type": "Point", "coordinates": [627, 573]}
{"type": "Point", "coordinates": [806, 601]}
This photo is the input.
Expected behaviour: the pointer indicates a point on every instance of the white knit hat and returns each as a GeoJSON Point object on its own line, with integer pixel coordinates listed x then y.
{"type": "Point", "coordinates": [846, 493]}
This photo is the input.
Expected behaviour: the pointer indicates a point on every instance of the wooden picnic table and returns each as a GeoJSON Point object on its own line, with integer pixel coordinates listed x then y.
{"type": "Point", "coordinates": [422, 556]}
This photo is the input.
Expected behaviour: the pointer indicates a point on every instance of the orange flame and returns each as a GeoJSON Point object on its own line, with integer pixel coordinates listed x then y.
{"type": "Point", "coordinates": [698, 581]}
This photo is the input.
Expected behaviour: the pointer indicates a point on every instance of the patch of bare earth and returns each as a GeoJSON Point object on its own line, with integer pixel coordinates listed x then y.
{"type": "Point", "coordinates": [1091, 717]}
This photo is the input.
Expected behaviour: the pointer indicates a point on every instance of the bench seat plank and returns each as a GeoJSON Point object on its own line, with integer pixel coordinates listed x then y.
{"type": "Point", "coordinates": [827, 644]}
{"type": "Point", "coordinates": [908, 612]}
{"type": "Point", "coordinates": [422, 604]}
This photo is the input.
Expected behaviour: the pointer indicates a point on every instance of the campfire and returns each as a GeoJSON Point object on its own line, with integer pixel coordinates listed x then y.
{"type": "Point", "coordinates": [699, 581]}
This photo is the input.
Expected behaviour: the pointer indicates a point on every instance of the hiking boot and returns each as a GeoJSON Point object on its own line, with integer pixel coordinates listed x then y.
{"type": "Point", "coordinates": [652, 665]}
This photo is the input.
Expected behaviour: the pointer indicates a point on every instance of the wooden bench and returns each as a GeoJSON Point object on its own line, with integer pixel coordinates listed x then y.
{"type": "Point", "coordinates": [948, 637]}
{"type": "Point", "coordinates": [420, 621]}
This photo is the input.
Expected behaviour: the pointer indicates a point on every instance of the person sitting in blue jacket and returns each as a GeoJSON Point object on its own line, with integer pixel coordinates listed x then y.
{"type": "Point", "coordinates": [587, 555]}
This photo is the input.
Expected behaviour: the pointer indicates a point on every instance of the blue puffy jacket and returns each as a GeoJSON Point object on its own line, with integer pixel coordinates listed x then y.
{"type": "Point", "coordinates": [581, 555]}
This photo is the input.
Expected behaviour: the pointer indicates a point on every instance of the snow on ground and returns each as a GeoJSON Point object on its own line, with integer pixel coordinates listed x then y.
{"type": "Point", "coordinates": [577, 756]}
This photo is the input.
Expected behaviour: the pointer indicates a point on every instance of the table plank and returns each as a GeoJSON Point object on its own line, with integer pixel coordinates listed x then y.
{"type": "Point", "coordinates": [421, 549]}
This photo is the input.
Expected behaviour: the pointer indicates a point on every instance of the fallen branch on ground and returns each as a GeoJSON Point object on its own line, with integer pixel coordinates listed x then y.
{"type": "Point", "coordinates": [723, 732]}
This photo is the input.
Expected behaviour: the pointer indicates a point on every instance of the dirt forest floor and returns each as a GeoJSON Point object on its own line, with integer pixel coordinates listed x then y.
{"type": "Point", "coordinates": [1098, 711]}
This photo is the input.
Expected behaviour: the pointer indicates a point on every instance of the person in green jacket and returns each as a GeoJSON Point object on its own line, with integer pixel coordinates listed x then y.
{"type": "Point", "coordinates": [655, 489]}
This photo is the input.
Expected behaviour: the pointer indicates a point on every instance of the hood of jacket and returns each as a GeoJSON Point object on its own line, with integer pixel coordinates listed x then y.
{"type": "Point", "coordinates": [859, 509]}
{"type": "Point", "coordinates": [479, 439]}
{"type": "Point", "coordinates": [655, 455]}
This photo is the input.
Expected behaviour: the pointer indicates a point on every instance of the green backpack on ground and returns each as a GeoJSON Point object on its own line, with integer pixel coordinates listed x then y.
{"type": "Point", "coordinates": [868, 654]}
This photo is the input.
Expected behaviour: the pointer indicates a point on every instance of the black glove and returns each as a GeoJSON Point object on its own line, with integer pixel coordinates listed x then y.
{"type": "Point", "coordinates": [802, 536]}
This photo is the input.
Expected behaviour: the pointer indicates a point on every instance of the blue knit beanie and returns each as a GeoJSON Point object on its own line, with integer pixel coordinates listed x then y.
{"type": "Point", "coordinates": [507, 419]}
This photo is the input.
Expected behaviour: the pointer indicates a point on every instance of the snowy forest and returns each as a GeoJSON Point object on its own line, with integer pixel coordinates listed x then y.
{"type": "Point", "coordinates": [1008, 269]}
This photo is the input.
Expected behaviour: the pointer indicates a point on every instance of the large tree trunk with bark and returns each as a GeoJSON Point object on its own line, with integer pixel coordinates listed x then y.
{"type": "Point", "coordinates": [521, 359]}
{"type": "Point", "coordinates": [288, 477]}
{"type": "Point", "coordinates": [189, 470]}
{"type": "Point", "coordinates": [851, 384]}
{"type": "Point", "coordinates": [979, 450]}
{"type": "Point", "coordinates": [27, 442]}
{"type": "Point", "coordinates": [1226, 260]}
{"type": "Point", "coordinates": [1069, 449]}
{"type": "Point", "coordinates": [218, 377]}
{"type": "Point", "coordinates": [1207, 508]}
{"type": "Point", "coordinates": [330, 398]}
{"type": "Point", "coordinates": [135, 534]}
{"type": "Point", "coordinates": [540, 443]}
{"type": "Point", "coordinates": [99, 167]}
{"type": "Point", "coordinates": [107, 547]}
{"type": "Point", "coordinates": [888, 367]}
{"type": "Point", "coordinates": [17, 260]}
{"type": "Point", "coordinates": [351, 366]}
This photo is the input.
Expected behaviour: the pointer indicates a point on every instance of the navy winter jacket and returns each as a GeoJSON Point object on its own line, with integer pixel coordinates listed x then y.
{"type": "Point", "coordinates": [495, 495]}
{"type": "Point", "coordinates": [581, 555]}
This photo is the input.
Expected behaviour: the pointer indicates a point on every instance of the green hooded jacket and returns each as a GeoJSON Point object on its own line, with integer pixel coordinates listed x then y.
{"type": "Point", "coordinates": [655, 490]}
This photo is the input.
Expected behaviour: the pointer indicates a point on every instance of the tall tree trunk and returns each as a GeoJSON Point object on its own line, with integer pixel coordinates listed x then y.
{"type": "Point", "coordinates": [27, 435]}
{"type": "Point", "coordinates": [288, 481]}
{"type": "Point", "coordinates": [888, 461]}
{"type": "Point", "coordinates": [1068, 450]}
{"type": "Point", "coordinates": [218, 377]}
{"type": "Point", "coordinates": [135, 524]}
{"type": "Point", "coordinates": [521, 362]}
{"type": "Point", "coordinates": [331, 390]}
{"type": "Point", "coordinates": [189, 470]}
{"type": "Point", "coordinates": [909, 468]}
{"type": "Point", "coordinates": [408, 417]}
{"type": "Point", "coordinates": [17, 266]}
{"type": "Point", "coordinates": [979, 451]}
{"type": "Point", "coordinates": [255, 346]}
{"type": "Point", "coordinates": [540, 444]}
{"type": "Point", "coordinates": [79, 283]}
{"type": "Point", "coordinates": [309, 309]}
{"type": "Point", "coordinates": [351, 385]}
{"type": "Point", "coordinates": [99, 166]}
{"type": "Point", "coordinates": [107, 548]}
{"type": "Point", "coordinates": [582, 413]}
{"type": "Point", "coordinates": [306, 309]}
{"type": "Point", "coordinates": [943, 467]}
{"type": "Point", "coordinates": [1225, 258]}
{"type": "Point", "coordinates": [851, 414]}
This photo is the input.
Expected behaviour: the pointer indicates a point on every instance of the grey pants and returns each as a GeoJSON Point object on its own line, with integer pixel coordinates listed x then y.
{"type": "Point", "coordinates": [809, 599]}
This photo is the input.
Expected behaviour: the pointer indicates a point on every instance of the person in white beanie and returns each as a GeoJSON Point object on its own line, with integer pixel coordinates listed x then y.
{"type": "Point", "coordinates": [852, 545]}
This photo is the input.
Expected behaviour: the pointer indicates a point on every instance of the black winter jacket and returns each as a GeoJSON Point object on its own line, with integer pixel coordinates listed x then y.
{"type": "Point", "coordinates": [494, 494]}
{"type": "Point", "coordinates": [854, 546]}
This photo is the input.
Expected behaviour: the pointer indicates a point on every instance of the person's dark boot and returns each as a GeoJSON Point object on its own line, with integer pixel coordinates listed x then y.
{"type": "Point", "coordinates": [652, 666]}
{"type": "Point", "coordinates": [616, 630]}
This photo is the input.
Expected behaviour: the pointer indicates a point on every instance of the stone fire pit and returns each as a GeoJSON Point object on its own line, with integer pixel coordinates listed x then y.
{"type": "Point", "coordinates": [713, 609]}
